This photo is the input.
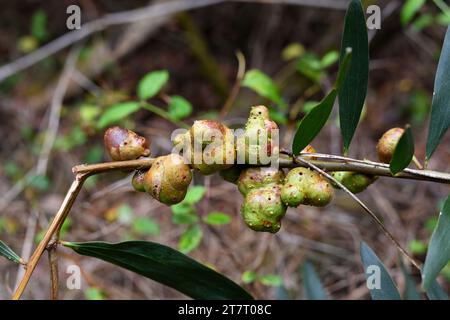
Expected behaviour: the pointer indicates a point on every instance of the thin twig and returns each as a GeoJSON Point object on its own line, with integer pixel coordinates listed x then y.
{"type": "Point", "coordinates": [237, 85]}
{"type": "Point", "coordinates": [363, 205]}
{"type": "Point", "coordinates": [55, 110]}
{"type": "Point", "coordinates": [163, 114]}
{"type": "Point", "coordinates": [52, 129]}
{"type": "Point", "coordinates": [326, 4]}
{"type": "Point", "coordinates": [53, 262]}
{"type": "Point", "coordinates": [370, 168]}
{"type": "Point", "coordinates": [57, 221]}
{"type": "Point", "coordinates": [27, 244]}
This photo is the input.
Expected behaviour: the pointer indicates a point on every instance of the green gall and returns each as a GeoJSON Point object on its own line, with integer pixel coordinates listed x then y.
{"type": "Point", "coordinates": [353, 181]}
{"type": "Point", "coordinates": [304, 186]}
{"type": "Point", "coordinates": [260, 137]}
{"type": "Point", "coordinates": [231, 174]}
{"type": "Point", "coordinates": [263, 209]}
{"type": "Point", "coordinates": [210, 146]}
{"type": "Point", "coordinates": [257, 177]}
{"type": "Point", "coordinates": [138, 180]}
{"type": "Point", "coordinates": [168, 179]}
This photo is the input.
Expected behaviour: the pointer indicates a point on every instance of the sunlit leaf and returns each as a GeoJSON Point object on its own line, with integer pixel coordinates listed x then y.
{"type": "Point", "coordinates": [329, 59]}
{"type": "Point", "coordinates": [179, 107]}
{"type": "Point", "coordinates": [145, 226]}
{"type": "Point", "coordinates": [248, 276]}
{"type": "Point", "coordinates": [272, 280]}
{"type": "Point", "coordinates": [39, 25]}
{"type": "Point", "coordinates": [194, 194]}
{"type": "Point", "coordinates": [164, 265]}
{"type": "Point", "coordinates": [440, 106]}
{"type": "Point", "coordinates": [117, 112]}
{"type": "Point", "coordinates": [217, 218]}
{"type": "Point", "coordinates": [354, 87]}
{"type": "Point", "coordinates": [263, 85]}
{"type": "Point", "coordinates": [190, 239]}
{"type": "Point", "coordinates": [409, 9]}
{"type": "Point", "coordinates": [438, 254]}
{"type": "Point", "coordinates": [152, 83]}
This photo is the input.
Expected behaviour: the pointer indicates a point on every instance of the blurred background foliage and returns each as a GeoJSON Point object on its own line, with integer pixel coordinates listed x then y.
{"type": "Point", "coordinates": [155, 76]}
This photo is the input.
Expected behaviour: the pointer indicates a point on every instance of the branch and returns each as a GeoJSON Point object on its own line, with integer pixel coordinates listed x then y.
{"type": "Point", "coordinates": [328, 163]}
{"type": "Point", "coordinates": [363, 205]}
{"type": "Point", "coordinates": [54, 226]}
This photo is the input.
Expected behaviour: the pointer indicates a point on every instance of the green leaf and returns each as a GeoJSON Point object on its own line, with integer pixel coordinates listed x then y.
{"type": "Point", "coordinates": [435, 292]}
{"type": "Point", "coordinates": [164, 265]}
{"type": "Point", "coordinates": [8, 253]}
{"type": "Point", "coordinates": [343, 68]}
{"type": "Point", "coordinates": [354, 87]}
{"type": "Point", "coordinates": [403, 153]}
{"type": "Point", "coordinates": [217, 218]}
{"type": "Point", "coordinates": [313, 122]}
{"type": "Point", "coordinates": [145, 226]}
{"type": "Point", "coordinates": [39, 182]}
{"type": "Point", "coordinates": [317, 117]}
{"type": "Point", "coordinates": [310, 66]}
{"type": "Point", "coordinates": [38, 25]}
{"type": "Point", "coordinates": [329, 59]}
{"type": "Point", "coordinates": [312, 287]}
{"type": "Point", "coordinates": [263, 85]}
{"type": "Point", "coordinates": [417, 247]}
{"type": "Point", "coordinates": [248, 276]}
{"type": "Point", "coordinates": [440, 106]}
{"type": "Point", "coordinates": [93, 293]}
{"type": "Point", "coordinates": [117, 112]}
{"type": "Point", "coordinates": [179, 108]}
{"type": "Point", "coordinates": [152, 83]}
{"type": "Point", "coordinates": [190, 239]}
{"type": "Point", "coordinates": [443, 19]}
{"type": "Point", "coordinates": [183, 213]}
{"type": "Point", "coordinates": [373, 267]}
{"type": "Point", "coordinates": [423, 22]}
{"type": "Point", "coordinates": [438, 254]}
{"type": "Point", "coordinates": [194, 194]}
{"type": "Point", "coordinates": [410, 292]}
{"type": "Point", "coordinates": [409, 9]}
{"type": "Point", "coordinates": [272, 280]}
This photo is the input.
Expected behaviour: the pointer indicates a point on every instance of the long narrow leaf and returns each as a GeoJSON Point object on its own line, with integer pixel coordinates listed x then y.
{"type": "Point", "coordinates": [438, 253]}
{"type": "Point", "coordinates": [164, 265]}
{"type": "Point", "coordinates": [313, 122]}
{"type": "Point", "coordinates": [382, 285]}
{"type": "Point", "coordinates": [8, 253]}
{"type": "Point", "coordinates": [440, 106]}
{"type": "Point", "coordinates": [312, 286]}
{"type": "Point", "coordinates": [354, 87]}
{"type": "Point", "coordinates": [435, 292]}
{"type": "Point", "coordinates": [403, 153]}
{"type": "Point", "coordinates": [410, 292]}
